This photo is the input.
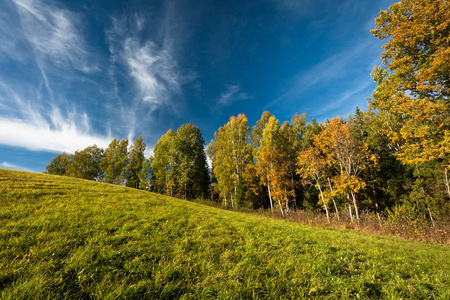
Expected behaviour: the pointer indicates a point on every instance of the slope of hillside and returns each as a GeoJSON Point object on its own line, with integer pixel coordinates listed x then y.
{"type": "Point", "coordinates": [63, 237]}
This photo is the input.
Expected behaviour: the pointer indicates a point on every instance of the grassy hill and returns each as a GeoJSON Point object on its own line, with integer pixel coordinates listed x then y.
{"type": "Point", "coordinates": [68, 238]}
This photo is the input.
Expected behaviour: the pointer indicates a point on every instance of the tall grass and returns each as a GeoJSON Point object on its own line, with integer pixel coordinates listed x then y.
{"type": "Point", "coordinates": [68, 238]}
{"type": "Point", "coordinates": [417, 229]}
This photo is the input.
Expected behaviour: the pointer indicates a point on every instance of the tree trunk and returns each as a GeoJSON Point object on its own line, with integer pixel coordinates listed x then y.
{"type": "Point", "coordinates": [447, 183]}
{"type": "Point", "coordinates": [375, 198]}
{"type": "Point", "coordinates": [324, 204]}
{"type": "Point", "coordinates": [334, 203]}
{"type": "Point", "coordinates": [292, 185]}
{"type": "Point", "coordinates": [287, 203]}
{"type": "Point", "coordinates": [270, 196]}
{"type": "Point", "coordinates": [281, 208]}
{"type": "Point", "coordinates": [431, 217]}
{"type": "Point", "coordinates": [232, 202]}
{"type": "Point", "coordinates": [350, 207]}
{"type": "Point", "coordinates": [350, 211]}
{"type": "Point", "coordinates": [354, 204]}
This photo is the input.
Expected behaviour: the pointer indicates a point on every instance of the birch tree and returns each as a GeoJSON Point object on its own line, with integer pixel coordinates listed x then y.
{"type": "Point", "coordinates": [273, 165]}
{"type": "Point", "coordinates": [162, 164]}
{"type": "Point", "coordinates": [229, 153]}
{"type": "Point", "coordinates": [86, 163]}
{"type": "Point", "coordinates": [312, 167]}
{"type": "Point", "coordinates": [348, 155]}
{"type": "Point", "coordinates": [114, 162]}
{"type": "Point", "coordinates": [136, 159]}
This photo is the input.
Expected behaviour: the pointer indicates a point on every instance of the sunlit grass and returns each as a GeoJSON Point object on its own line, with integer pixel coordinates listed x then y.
{"type": "Point", "coordinates": [63, 237]}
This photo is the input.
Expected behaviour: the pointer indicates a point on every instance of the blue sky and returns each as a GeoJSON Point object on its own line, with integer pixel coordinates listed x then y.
{"type": "Point", "coordinates": [78, 73]}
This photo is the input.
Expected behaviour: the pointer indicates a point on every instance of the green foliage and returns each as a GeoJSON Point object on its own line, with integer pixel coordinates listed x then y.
{"type": "Point", "coordinates": [85, 163]}
{"type": "Point", "coordinates": [230, 154]}
{"type": "Point", "coordinates": [69, 238]}
{"type": "Point", "coordinates": [136, 159]}
{"type": "Point", "coordinates": [146, 177]}
{"type": "Point", "coordinates": [179, 165]}
{"type": "Point", "coordinates": [59, 164]}
{"type": "Point", "coordinates": [162, 164]}
{"type": "Point", "coordinates": [405, 218]}
{"type": "Point", "coordinates": [115, 161]}
{"type": "Point", "coordinates": [190, 168]}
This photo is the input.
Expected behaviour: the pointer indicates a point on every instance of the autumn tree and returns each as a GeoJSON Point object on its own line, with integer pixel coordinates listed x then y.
{"type": "Point", "coordinates": [312, 167]}
{"type": "Point", "coordinates": [86, 163]}
{"type": "Point", "coordinates": [348, 156]}
{"type": "Point", "coordinates": [59, 164]}
{"type": "Point", "coordinates": [229, 153]}
{"type": "Point", "coordinates": [135, 160]}
{"type": "Point", "coordinates": [222, 168]}
{"type": "Point", "coordinates": [414, 88]}
{"type": "Point", "coordinates": [293, 134]}
{"type": "Point", "coordinates": [273, 165]}
{"type": "Point", "coordinates": [114, 162]}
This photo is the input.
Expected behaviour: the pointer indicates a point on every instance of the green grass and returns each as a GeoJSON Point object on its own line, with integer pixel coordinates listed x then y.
{"type": "Point", "coordinates": [68, 238]}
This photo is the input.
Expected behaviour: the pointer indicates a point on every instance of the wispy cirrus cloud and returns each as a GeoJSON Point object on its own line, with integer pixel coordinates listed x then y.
{"type": "Point", "coordinates": [231, 94]}
{"type": "Point", "coordinates": [35, 126]}
{"type": "Point", "coordinates": [147, 65]}
{"type": "Point", "coordinates": [52, 32]}
{"type": "Point", "coordinates": [35, 112]}
{"type": "Point", "coordinates": [6, 165]}
{"type": "Point", "coordinates": [345, 102]}
{"type": "Point", "coordinates": [153, 70]}
{"type": "Point", "coordinates": [333, 70]}
{"type": "Point", "coordinates": [42, 135]}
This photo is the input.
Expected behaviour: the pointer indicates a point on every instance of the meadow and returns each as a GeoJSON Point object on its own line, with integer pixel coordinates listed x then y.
{"type": "Point", "coordinates": [63, 237]}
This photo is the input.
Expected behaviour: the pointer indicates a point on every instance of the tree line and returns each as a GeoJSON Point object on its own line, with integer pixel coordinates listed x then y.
{"type": "Point", "coordinates": [178, 167]}
{"type": "Point", "coordinates": [393, 158]}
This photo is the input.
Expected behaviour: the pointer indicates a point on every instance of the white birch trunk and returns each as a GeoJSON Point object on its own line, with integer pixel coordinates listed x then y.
{"type": "Point", "coordinates": [324, 204]}
{"type": "Point", "coordinates": [270, 195]}
{"type": "Point", "coordinates": [350, 208]}
{"type": "Point", "coordinates": [447, 183]}
{"type": "Point", "coordinates": [354, 204]}
{"type": "Point", "coordinates": [281, 208]}
{"type": "Point", "coordinates": [232, 202]}
{"type": "Point", "coordinates": [334, 203]}
{"type": "Point", "coordinates": [287, 207]}
{"type": "Point", "coordinates": [292, 186]}
{"type": "Point", "coordinates": [431, 217]}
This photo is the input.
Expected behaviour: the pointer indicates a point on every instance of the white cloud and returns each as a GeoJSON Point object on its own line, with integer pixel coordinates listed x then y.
{"type": "Point", "coordinates": [233, 93]}
{"type": "Point", "coordinates": [149, 69]}
{"type": "Point", "coordinates": [38, 127]}
{"type": "Point", "coordinates": [53, 33]}
{"type": "Point", "coordinates": [6, 165]}
{"type": "Point", "coordinates": [335, 68]}
{"type": "Point", "coordinates": [149, 152]}
{"type": "Point", "coordinates": [152, 70]}
{"type": "Point", "coordinates": [342, 101]}
{"type": "Point", "coordinates": [10, 34]}
{"type": "Point", "coordinates": [67, 137]}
